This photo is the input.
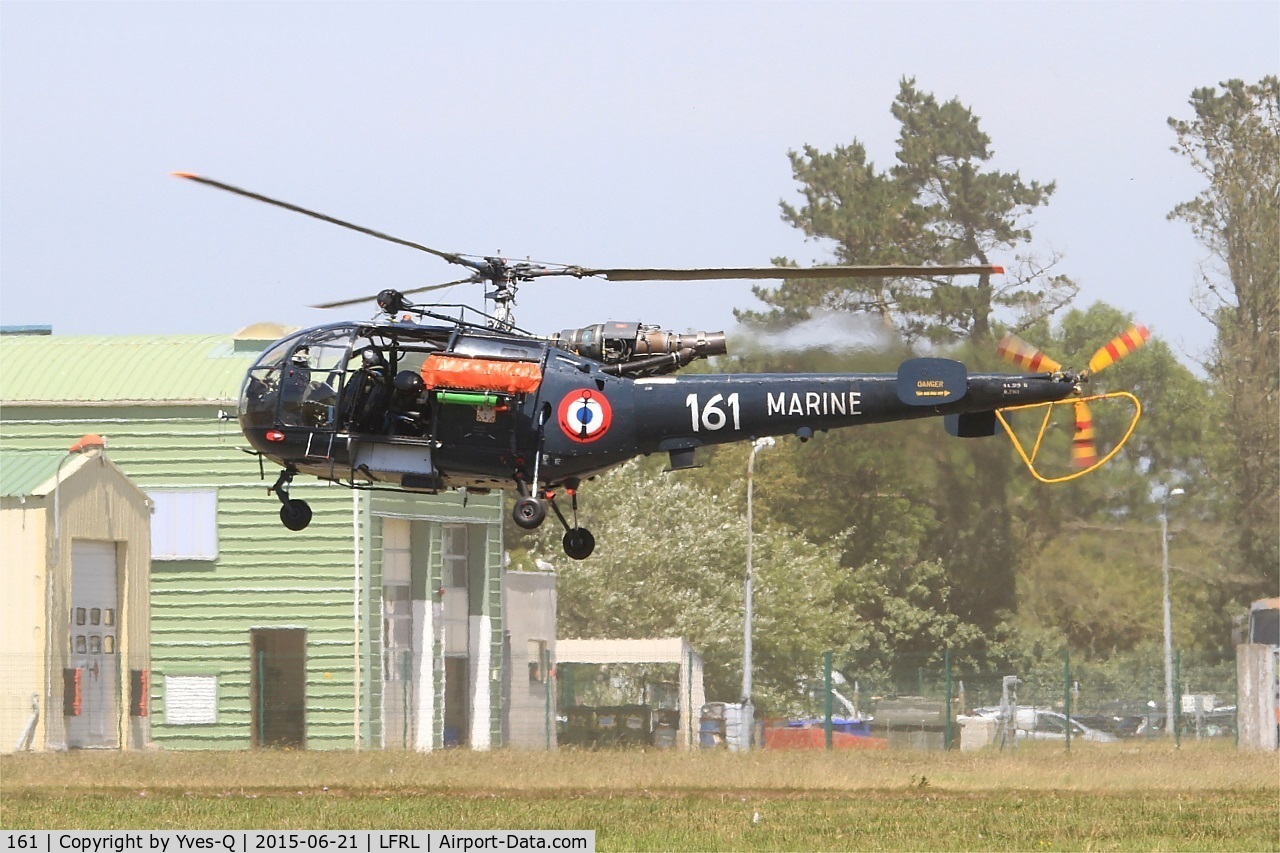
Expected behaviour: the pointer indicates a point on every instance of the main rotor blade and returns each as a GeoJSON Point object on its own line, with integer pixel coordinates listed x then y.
{"type": "Point", "coordinates": [731, 273]}
{"type": "Point", "coordinates": [342, 303]}
{"type": "Point", "coordinates": [448, 256]}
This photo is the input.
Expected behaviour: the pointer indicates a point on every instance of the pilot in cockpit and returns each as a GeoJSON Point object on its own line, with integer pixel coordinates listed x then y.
{"type": "Point", "coordinates": [296, 378]}
{"type": "Point", "coordinates": [364, 400]}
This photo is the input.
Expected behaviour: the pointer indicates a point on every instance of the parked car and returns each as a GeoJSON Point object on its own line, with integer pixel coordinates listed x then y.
{"type": "Point", "coordinates": [1043, 724]}
{"type": "Point", "coordinates": [1132, 725]}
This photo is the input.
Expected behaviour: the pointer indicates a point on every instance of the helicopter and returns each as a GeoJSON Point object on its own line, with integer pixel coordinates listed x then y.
{"type": "Point", "coordinates": [420, 401]}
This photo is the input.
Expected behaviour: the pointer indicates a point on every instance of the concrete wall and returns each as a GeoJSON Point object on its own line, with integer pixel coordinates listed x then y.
{"type": "Point", "coordinates": [529, 602]}
{"type": "Point", "coordinates": [23, 629]}
{"type": "Point", "coordinates": [1257, 716]}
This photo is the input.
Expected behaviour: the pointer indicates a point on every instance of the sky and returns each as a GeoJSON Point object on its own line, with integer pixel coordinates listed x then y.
{"type": "Point", "coordinates": [592, 133]}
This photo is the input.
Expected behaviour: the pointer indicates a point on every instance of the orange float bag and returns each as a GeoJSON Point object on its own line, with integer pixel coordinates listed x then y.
{"type": "Point", "coordinates": [480, 374]}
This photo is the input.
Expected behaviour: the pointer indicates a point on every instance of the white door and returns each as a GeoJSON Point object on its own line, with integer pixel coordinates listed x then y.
{"type": "Point", "coordinates": [94, 651]}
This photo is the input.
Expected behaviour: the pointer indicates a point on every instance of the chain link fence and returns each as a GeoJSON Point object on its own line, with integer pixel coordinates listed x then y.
{"type": "Point", "coordinates": [943, 700]}
{"type": "Point", "coordinates": [398, 700]}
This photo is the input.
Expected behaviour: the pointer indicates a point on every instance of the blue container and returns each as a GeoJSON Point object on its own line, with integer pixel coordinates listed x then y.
{"type": "Point", "coordinates": [711, 732]}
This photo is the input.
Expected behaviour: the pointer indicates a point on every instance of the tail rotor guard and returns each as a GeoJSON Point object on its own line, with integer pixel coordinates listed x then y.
{"type": "Point", "coordinates": [1084, 453]}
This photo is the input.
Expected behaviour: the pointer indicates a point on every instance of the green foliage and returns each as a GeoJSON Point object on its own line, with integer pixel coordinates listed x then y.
{"type": "Point", "coordinates": [1100, 587]}
{"type": "Point", "coordinates": [1233, 142]}
{"type": "Point", "coordinates": [671, 562]}
{"type": "Point", "coordinates": [941, 203]}
{"type": "Point", "coordinates": [906, 608]}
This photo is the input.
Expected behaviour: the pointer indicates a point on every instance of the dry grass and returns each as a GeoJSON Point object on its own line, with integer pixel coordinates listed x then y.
{"type": "Point", "coordinates": [1144, 796]}
{"type": "Point", "coordinates": [1141, 766]}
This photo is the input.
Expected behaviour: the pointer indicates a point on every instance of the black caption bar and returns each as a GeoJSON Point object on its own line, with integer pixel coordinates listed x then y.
{"type": "Point", "coordinates": [271, 841]}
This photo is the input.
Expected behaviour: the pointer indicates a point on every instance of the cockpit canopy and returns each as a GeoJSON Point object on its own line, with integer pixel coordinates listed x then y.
{"type": "Point", "coordinates": [354, 376]}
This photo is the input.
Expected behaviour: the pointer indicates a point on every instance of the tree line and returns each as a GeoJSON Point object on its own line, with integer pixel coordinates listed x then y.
{"type": "Point", "coordinates": [893, 543]}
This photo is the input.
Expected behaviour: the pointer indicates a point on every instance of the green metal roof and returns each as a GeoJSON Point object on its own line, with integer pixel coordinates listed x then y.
{"type": "Point", "coordinates": [21, 471]}
{"type": "Point", "coordinates": [184, 369]}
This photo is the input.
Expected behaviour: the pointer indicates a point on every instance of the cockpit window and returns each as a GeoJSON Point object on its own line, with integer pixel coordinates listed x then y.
{"type": "Point", "coordinates": [312, 378]}
{"type": "Point", "coordinates": [276, 353]}
{"type": "Point", "coordinates": [350, 377]}
{"type": "Point", "coordinates": [298, 380]}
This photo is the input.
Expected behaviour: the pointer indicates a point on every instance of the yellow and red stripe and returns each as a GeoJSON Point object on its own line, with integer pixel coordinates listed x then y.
{"type": "Point", "coordinates": [1084, 450]}
{"type": "Point", "coordinates": [1118, 348]}
{"type": "Point", "coordinates": [1018, 352]}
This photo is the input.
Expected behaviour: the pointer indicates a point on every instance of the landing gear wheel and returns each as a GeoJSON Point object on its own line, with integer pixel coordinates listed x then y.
{"type": "Point", "coordinates": [295, 514]}
{"type": "Point", "coordinates": [529, 513]}
{"type": "Point", "coordinates": [579, 543]}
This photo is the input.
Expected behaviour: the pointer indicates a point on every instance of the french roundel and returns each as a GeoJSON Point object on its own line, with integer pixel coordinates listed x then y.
{"type": "Point", "coordinates": [585, 415]}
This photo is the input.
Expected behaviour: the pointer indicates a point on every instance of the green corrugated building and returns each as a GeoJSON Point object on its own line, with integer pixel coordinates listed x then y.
{"type": "Point", "coordinates": [380, 625]}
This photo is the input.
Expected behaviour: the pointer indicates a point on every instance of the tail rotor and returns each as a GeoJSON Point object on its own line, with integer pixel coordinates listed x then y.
{"type": "Point", "coordinates": [1084, 447]}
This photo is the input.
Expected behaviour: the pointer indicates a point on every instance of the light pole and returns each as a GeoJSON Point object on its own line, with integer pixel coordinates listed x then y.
{"type": "Point", "coordinates": [756, 446]}
{"type": "Point", "coordinates": [1169, 718]}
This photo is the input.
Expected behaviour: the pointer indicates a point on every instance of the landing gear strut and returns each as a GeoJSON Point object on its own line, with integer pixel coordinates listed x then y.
{"type": "Point", "coordinates": [530, 511]}
{"type": "Point", "coordinates": [578, 542]}
{"type": "Point", "coordinates": [294, 514]}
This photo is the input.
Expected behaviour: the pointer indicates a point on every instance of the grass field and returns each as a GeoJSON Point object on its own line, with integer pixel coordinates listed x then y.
{"type": "Point", "coordinates": [1145, 796]}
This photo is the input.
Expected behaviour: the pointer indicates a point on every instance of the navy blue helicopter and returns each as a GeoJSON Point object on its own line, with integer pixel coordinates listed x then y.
{"type": "Point", "coordinates": [421, 401]}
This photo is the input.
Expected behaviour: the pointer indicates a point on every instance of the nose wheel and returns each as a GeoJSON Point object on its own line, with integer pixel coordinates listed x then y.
{"type": "Point", "coordinates": [294, 514]}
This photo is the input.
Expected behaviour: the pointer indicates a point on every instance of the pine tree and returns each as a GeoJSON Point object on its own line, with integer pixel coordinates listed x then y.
{"type": "Point", "coordinates": [1234, 143]}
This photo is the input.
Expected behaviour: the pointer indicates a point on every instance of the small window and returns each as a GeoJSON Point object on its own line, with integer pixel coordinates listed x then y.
{"type": "Point", "coordinates": [82, 645]}
{"type": "Point", "coordinates": [537, 661]}
{"type": "Point", "coordinates": [95, 644]}
{"type": "Point", "coordinates": [95, 616]}
{"type": "Point", "coordinates": [109, 617]}
{"type": "Point", "coordinates": [455, 555]}
{"type": "Point", "coordinates": [80, 613]}
{"type": "Point", "coordinates": [109, 644]}
{"type": "Point", "coordinates": [190, 700]}
{"type": "Point", "coordinates": [184, 525]}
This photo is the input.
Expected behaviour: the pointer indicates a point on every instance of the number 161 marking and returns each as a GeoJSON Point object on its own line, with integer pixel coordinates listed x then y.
{"type": "Point", "coordinates": [712, 415]}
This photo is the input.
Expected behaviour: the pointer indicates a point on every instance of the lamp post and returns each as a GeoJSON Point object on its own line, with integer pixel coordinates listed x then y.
{"type": "Point", "coordinates": [1169, 717]}
{"type": "Point", "coordinates": [756, 446]}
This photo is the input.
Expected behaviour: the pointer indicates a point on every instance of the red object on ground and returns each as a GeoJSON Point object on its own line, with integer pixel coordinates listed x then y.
{"type": "Point", "coordinates": [797, 738]}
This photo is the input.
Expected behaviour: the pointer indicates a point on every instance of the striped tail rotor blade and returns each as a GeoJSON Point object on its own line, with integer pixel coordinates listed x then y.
{"type": "Point", "coordinates": [1119, 347]}
{"type": "Point", "coordinates": [1018, 352]}
{"type": "Point", "coordinates": [1084, 447]}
